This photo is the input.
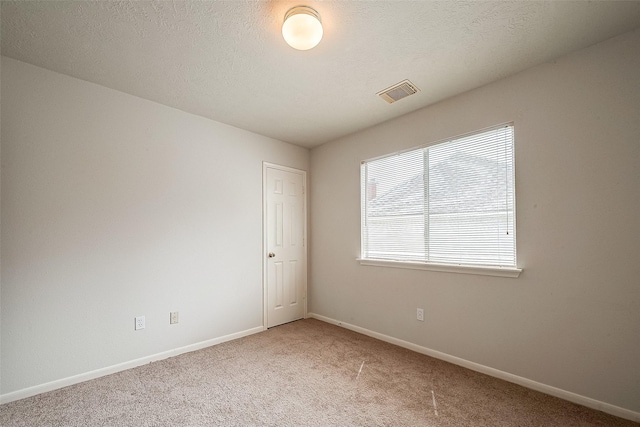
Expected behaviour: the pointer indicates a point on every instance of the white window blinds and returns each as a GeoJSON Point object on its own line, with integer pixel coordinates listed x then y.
{"type": "Point", "coordinates": [450, 203]}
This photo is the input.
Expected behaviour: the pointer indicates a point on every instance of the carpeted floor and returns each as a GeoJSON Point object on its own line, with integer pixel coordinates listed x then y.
{"type": "Point", "coordinates": [305, 373]}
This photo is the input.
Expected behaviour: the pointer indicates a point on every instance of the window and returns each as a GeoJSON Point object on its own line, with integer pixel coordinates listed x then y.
{"type": "Point", "coordinates": [449, 206]}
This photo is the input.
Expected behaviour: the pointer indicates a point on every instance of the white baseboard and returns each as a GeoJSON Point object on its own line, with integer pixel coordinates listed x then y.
{"type": "Point", "coordinates": [534, 385]}
{"type": "Point", "coordinates": [64, 382]}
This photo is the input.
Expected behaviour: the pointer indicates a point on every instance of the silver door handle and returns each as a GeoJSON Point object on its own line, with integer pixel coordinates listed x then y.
{"type": "Point", "coordinates": [271, 254]}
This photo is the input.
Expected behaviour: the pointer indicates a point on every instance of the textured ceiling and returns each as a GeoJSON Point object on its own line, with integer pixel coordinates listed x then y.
{"type": "Point", "coordinates": [226, 60]}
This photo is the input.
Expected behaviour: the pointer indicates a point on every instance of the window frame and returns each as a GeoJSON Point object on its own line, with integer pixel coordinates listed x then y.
{"type": "Point", "coordinates": [476, 269]}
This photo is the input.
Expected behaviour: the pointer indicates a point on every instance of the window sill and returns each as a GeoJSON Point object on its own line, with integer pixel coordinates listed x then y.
{"type": "Point", "coordinates": [447, 268]}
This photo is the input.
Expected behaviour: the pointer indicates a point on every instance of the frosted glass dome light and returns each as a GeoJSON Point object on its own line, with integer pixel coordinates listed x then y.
{"type": "Point", "coordinates": [302, 28]}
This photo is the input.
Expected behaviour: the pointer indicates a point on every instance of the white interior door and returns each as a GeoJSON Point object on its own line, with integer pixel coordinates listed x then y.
{"type": "Point", "coordinates": [285, 245]}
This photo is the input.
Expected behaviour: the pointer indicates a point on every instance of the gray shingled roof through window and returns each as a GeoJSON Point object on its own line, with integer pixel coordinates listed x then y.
{"type": "Point", "coordinates": [448, 192]}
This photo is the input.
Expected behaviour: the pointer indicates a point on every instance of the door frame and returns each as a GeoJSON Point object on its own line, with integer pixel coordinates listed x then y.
{"type": "Point", "coordinates": [265, 166]}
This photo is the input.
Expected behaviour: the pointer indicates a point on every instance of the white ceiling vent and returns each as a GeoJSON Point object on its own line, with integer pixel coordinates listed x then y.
{"type": "Point", "coordinates": [398, 91]}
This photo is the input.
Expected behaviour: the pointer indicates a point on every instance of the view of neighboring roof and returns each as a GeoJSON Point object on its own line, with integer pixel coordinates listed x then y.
{"type": "Point", "coordinates": [449, 191]}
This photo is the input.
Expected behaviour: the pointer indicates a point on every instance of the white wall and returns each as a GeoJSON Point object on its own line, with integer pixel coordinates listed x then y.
{"type": "Point", "coordinates": [114, 207]}
{"type": "Point", "coordinates": [572, 319]}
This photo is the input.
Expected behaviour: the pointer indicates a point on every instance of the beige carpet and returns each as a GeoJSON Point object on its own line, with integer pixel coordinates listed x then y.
{"type": "Point", "coordinates": [306, 373]}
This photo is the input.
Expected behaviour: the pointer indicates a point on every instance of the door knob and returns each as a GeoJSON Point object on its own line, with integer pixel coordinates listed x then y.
{"type": "Point", "coordinates": [271, 254]}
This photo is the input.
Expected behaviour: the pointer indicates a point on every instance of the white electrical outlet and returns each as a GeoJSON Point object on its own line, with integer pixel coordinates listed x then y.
{"type": "Point", "coordinates": [173, 317]}
{"type": "Point", "coordinates": [420, 314]}
{"type": "Point", "coordinates": [140, 322]}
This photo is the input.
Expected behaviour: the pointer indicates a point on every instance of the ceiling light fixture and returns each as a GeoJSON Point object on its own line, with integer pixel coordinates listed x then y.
{"type": "Point", "coordinates": [302, 28]}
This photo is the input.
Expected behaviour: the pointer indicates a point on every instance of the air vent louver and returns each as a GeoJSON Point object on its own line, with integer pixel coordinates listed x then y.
{"type": "Point", "coordinates": [398, 91]}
